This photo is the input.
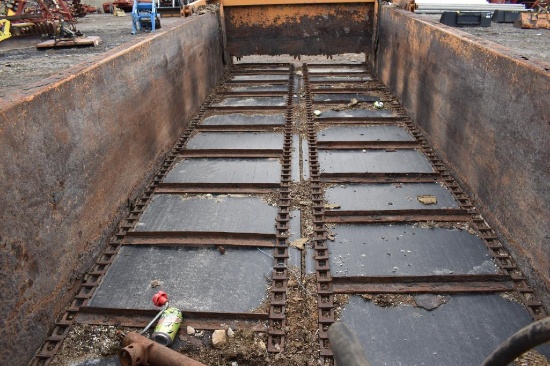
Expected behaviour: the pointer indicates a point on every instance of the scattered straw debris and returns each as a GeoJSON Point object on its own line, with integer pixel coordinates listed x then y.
{"type": "Point", "coordinates": [512, 296]}
{"type": "Point", "coordinates": [85, 342]}
{"type": "Point", "coordinates": [428, 199]}
{"type": "Point", "coordinates": [299, 243]}
{"type": "Point", "coordinates": [531, 358]}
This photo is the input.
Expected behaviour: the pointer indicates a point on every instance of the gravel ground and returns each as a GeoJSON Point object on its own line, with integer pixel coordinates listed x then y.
{"type": "Point", "coordinates": [22, 64]}
{"type": "Point", "coordinates": [531, 44]}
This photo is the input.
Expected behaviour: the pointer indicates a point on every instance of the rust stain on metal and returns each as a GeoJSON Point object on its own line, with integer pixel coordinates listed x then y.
{"type": "Point", "coordinates": [280, 15]}
{"type": "Point", "coordinates": [305, 29]}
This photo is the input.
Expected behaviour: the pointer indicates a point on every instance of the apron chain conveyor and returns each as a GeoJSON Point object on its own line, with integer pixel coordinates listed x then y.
{"type": "Point", "coordinates": [384, 220]}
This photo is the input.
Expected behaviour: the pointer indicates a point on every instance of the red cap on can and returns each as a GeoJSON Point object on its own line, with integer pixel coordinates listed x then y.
{"type": "Point", "coordinates": [160, 298]}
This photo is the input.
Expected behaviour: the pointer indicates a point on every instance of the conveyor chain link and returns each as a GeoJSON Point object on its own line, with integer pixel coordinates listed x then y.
{"type": "Point", "coordinates": [325, 293]}
{"type": "Point", "coordinates": [277, 298]}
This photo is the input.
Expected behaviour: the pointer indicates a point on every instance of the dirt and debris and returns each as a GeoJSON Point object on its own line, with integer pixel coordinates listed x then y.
{"type": "Point", "coordinates": [390, 300]}
{"type": "Point", "coordinates": [246, 347]}
{"type": "Point", "coordinates": [344, 107]}
{"type": "Point", "coordinates": [428, 199]}
{"type": "Point", "coordinates": [299, 243]}
{"type": "Point", "coordinates": [425, 301]}
{"type": "Point", "coordinates": [466, 226]}
{"type": "Point", "coordinates": [512, 296]}
{"type": "Point", "coordinates": [156, 283]}
{"type": "Point", "coordinates": [532, 358]}
{"type": "Point", "coordinates": [85, 342]}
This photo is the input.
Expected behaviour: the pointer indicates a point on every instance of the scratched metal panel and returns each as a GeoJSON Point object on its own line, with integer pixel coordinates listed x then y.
{"type": "Point", "coordinates": [406, 250]}
{"type": "Point", "coordinates": [296, 174]}
{"type": "Point", "coordinates": [197, 279]}
{"type": "Point", "coordinates": [240, 119]}
{"type": "Point", "coordinates": [208, 213]}
{"type": "Point", "coordinates": [301, 29]}
{"type": "Point", "coordinates": [462, 332]}
{"type": "Point", "coordinates": [344, 97]}
{"type": "Point", "coordinates": [295, 225]}
{"type": "Point", "coordinates": [356, 113]}
{"type": "Point", "coordinates": [364, 133]}
{"type": "Point", "coordinates": [225, 171]}
{"type": "Point", "coordinates": [310, 261]}
{"type": "Point", "coordinates": [295, 260]}
{"type": "Point", "coordinates": [305, 159]}
{"type": "Point", "coordinates": [236, 140]}
{"type": "Point", "coordinates": [259, 88]}
{"type": "Point", "coordinates": [389, 196]}
{"type": "Point", "coordinates": [262, 77]}
{"type": "Point", "coordinates": [251, 102]}
{"type": "Point", "coordinates": [373, 161]}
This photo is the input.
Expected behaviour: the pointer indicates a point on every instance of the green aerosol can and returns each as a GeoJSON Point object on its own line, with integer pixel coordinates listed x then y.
{"type": "Point", "coordinates": [167, 327]}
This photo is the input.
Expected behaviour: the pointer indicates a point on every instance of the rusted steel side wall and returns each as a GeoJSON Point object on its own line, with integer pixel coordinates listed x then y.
{"type": "Point", "coordinates": [487, 114]}
{"type": "Point", "coordinates": [73, 152]}
{"type": "Point", "coordinates": [306, 29]}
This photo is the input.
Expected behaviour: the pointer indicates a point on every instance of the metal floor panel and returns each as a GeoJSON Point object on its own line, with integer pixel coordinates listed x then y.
{"type": "Point", "coordinates": [251, 102]}
{"type": "Point", "coordinates": [235, 282]}
{"type": "Point", "coordinates": [261, 77]}
{"type": "Point", "coordinates": [217, 170]}
{"type": "Point", "coordinates": [406, 250]}
{"type": "Point", "coordinates": [356, 113]}
{"type": "Point", "coordinates": [388, 196]}
{"type": "Point", "coordinates": [462, 332]}
{"type": "Point", "coordinates": [208, 213]}
{"type": "Point", "coordinates": [364, 133]}
{"type": "Point", "coordinates": [240, 119]}
{"type": "Point", "coordinates": [236, 140]}
{"type": "Point", "coordinates": [374, 161]}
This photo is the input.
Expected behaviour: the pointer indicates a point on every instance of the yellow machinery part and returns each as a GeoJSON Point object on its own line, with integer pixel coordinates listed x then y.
{"type": "Point", "coordinates": [5, 26]}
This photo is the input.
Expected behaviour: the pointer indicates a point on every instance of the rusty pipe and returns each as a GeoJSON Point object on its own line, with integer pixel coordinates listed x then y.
{"type": "Point", "coordinates": [139, 350]}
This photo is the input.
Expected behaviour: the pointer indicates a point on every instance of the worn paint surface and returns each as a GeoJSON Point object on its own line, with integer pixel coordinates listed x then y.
{"type": "Point", "coordinates": [307, 29]}
{"type": "Point", "coordinates": [486, 112]}
{"type": "Point", "coordinates": [74, 151]}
